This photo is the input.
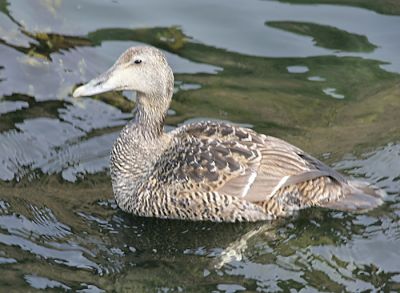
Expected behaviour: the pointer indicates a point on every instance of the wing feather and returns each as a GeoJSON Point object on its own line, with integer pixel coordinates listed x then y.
{"type": "Point", "coordinates": [238, 162]}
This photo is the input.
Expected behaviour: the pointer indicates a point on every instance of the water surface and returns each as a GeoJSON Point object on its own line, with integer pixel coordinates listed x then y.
{"type": "Point", "coordinates": [323, 75]}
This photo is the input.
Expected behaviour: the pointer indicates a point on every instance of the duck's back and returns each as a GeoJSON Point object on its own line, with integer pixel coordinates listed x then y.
{"type": "Point", "coordinates": [220, 172]}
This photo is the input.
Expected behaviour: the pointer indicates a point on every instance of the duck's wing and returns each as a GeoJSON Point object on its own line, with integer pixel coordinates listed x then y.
{"type": "Point", "coordinates": [236, 161]}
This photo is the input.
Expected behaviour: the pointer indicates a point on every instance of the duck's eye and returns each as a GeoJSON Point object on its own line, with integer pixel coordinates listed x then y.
{"type": "Point", "coordinates": [137, 61]}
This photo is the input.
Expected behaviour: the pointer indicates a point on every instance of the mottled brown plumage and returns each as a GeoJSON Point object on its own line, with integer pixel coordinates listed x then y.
{"type": "Point", "coordinates": [209, 170]}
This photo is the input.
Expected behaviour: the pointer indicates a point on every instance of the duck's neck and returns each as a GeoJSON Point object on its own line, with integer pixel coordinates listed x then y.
{"type": "Point", "coordinates": [149, 118]}
{"type": "Point", "coordinates": [138, 147]}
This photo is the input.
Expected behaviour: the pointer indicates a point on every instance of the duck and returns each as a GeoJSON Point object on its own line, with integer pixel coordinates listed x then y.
{"type": "Point", "coordinates": [208, 170]}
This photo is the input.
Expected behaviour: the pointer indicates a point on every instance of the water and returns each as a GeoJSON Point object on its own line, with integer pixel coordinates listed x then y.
{"type": "Point", "coordinates": [324, 77]}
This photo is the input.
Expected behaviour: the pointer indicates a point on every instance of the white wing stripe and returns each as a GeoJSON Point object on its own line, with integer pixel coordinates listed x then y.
{"type": "Point", "coordinates": [279, 185]}
{"type": "Point", "coordinates": [250, 182]}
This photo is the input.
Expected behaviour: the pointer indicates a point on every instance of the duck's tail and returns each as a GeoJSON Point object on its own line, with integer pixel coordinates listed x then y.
{"type": "Point", "coordinates": [359, 196]}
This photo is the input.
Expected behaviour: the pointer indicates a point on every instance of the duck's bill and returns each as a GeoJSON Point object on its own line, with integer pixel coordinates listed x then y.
{"type": "Point", "coordinates": [98, 85]}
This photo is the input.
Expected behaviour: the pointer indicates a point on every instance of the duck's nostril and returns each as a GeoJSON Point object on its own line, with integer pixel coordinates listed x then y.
{"type": "Point", "coordinates": [98, 83]}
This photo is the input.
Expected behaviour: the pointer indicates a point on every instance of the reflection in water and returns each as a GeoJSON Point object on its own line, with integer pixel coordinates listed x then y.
{"type": "Point", "coordinates": [8, 106]}
{"type": "Point", "coordinates": [381, 165]}
{"type": "Point", "coordinates": [44, 283]}
{"type": "Point", "coordinates": [332, 92]}
{"type": "Point", "coordinates": [225, 28]}
{"type": "Point", "coordinates": [297, 69]}
{"type": "Point", "coordinates": [316, 78]}
{"type": "Point", "coordinates": [263, 64]}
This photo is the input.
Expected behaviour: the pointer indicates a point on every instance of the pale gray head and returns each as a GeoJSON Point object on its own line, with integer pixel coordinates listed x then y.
{"type": "Point", "coordinates": [146, 71]}
{"type": "Point", "coordinates": [141, 69]}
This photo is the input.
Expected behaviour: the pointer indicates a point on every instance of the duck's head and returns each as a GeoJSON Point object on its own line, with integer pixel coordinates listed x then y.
{"type": "Point", "coordinates": [141, 69]}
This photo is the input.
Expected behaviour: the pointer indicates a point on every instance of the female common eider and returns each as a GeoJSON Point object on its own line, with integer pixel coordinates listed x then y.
{"type": "Point", "coordinates": [209, 170]}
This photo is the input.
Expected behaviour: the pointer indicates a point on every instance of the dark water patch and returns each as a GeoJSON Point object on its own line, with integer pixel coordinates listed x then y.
{"type": "Point", "coordinates": [327, 36]}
